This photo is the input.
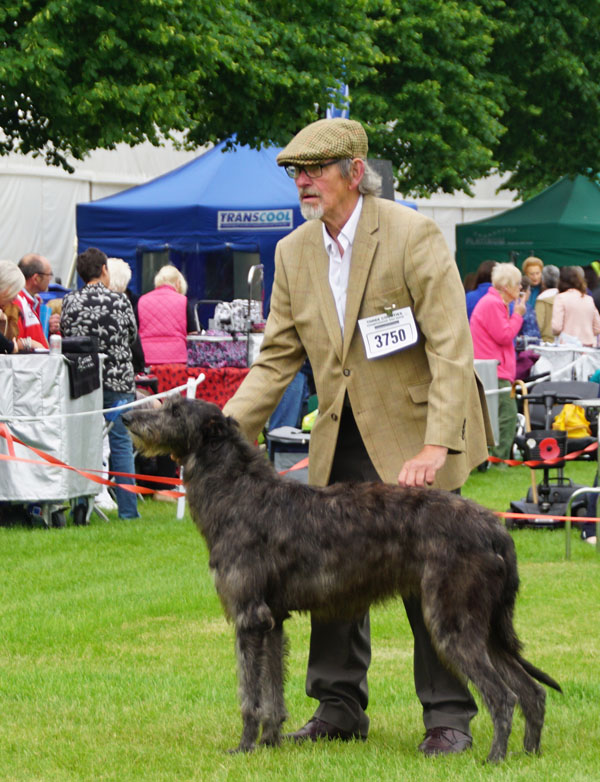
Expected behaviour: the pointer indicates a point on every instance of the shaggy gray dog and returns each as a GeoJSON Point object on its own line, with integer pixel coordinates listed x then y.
{"type": "Point", "coordinates": [278, 546]}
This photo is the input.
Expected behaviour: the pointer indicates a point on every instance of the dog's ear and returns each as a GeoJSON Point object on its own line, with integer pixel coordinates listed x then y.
{"type": "Point", "coordinates": [218, 427]}
{"type": "Point", "coordinates": [206, 425]}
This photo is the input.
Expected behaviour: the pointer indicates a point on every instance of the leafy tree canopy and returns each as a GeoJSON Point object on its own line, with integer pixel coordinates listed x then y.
{"type": "Point", "coordinates": [77, 74]}
{"type": "Point", "coordinates": [547, 57]}
{"type": "Point", "coordinates": [432, 106]}
{"type": "Point", "coordinates": [449, 90]}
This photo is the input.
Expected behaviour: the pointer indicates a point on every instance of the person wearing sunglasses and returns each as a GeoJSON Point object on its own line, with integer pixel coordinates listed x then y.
{"type": "Point", "coordinates": [367, 290]}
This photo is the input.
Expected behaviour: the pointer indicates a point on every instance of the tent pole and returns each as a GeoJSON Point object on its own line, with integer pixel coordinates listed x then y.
{"type": "Point", "coordinates": [71, 276]}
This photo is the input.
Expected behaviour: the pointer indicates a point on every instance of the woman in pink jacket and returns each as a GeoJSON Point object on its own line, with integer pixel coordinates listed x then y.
{"type": "Point", "coordinates": [574, 313]}
{"type": "Point", "coordinates": [493, 330]}
{"type": "Point", "coordinates": [164, 320]}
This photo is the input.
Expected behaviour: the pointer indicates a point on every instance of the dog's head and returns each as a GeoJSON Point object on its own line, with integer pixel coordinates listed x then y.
{"type": "Point", "coordinates": [179, 427]}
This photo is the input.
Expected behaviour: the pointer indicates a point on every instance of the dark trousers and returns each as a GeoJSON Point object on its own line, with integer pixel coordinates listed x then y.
{"type": "Point", "coordinates": [340, 652]}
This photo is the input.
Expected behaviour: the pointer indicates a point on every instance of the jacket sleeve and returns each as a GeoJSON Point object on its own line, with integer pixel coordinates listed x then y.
{"type": "Point", "coordinates": [66, 320]}
{"type": "Point", "coordinates": [596, 322]}
{"type": "Point", "coordinates": [540, 314]}
{"type": "Point", "coordinates": [558, 315]}
{"type": "Point", "coordinates": [440, 312]}
{"type": "Point", "coordinates": [6, 345]}
{"type": "Point", "coordinates": [130, 319]}
{"type": "Point", "coordinates": [503, 330]}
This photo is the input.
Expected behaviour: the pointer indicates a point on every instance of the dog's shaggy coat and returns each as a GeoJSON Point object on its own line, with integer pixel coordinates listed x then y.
{"type": "Point", "coordinates": [278, 546]}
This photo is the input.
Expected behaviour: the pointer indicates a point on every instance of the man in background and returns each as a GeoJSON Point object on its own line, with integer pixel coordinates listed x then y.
{"type": "Point", "coordinates": [38, 273]}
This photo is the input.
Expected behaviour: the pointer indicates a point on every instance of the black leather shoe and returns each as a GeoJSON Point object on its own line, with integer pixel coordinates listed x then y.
{"type": "Point", "coordinates": [319, 729]}
{"type": "Point", "coordinates": [445, 741]}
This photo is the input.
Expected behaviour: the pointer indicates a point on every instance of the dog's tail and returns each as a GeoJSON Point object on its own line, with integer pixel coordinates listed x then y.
{"type": "Point", "coordinates": [503, 629]}
{"type": "Point", "coordinates": [507, 640]}
{"type": "Point", "coordinates": [538, 674]}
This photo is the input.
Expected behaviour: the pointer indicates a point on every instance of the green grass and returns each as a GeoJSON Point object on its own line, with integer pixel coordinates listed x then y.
{"type": "Point", "coordinates": [116, 662]}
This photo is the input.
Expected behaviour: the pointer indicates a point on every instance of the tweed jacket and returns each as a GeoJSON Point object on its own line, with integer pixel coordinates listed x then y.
{"type": "Point", "coordinates": [425, 394]}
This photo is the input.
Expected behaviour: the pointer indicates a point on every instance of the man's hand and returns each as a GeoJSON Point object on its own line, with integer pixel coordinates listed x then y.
{"type": "Point", "coordinates": [422, 468]}
{"type": "Point", "coordinates": [521, 303]}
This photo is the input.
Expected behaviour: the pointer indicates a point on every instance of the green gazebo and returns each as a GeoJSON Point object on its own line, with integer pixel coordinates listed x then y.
{"type": "Point", "coordinates": [561, 225]}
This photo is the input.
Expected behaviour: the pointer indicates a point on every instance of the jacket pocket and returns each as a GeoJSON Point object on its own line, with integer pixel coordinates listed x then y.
{"type": "Point", "coordinates": [419, 393]}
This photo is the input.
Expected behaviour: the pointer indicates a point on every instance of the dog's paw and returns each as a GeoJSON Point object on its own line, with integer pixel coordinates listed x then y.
{"type": "Point", "coordinates": [241, 748]}
{"type": "Point", "coordinates": [271, 741]}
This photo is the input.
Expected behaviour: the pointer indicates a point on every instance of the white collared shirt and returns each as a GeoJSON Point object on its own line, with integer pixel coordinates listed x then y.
{"type": "Point", "coordinates": [339, 264]}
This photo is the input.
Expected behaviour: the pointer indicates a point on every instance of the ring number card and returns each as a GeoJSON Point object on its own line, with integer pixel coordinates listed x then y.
{"type": "Point", "coordinates": [389, 332]}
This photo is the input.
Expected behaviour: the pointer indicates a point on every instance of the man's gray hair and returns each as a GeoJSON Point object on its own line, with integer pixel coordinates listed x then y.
{"type": "Point", "coordinates": [370, 184]}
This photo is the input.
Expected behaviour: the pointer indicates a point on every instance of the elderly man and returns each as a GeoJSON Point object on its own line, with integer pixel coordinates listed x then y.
{"type": "Point", "coordinates": [37, 272]}
{"type": "Point", "coordinates": [368, 291]}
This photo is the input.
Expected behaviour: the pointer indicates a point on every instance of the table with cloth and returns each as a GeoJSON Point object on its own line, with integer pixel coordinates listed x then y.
{"type": "Point", "coordinates": [218, 386]}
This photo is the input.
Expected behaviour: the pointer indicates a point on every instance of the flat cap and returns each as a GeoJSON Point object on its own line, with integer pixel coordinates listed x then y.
{"type": "Point", "coordinates": [325, 139]}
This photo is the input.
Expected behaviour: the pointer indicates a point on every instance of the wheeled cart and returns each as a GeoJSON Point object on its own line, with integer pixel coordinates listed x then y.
{"type": "Point", "coordinates": [36, 386]}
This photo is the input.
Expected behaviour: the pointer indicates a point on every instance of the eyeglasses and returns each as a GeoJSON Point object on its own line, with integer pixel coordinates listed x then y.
{"type": "Point", "coordinates": [313, 172]}
{"type": "Point", "coordinates": [45, 274]}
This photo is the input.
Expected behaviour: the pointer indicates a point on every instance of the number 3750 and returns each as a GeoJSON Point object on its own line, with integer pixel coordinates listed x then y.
{"type": "Point", "coordinates": [390, 338]}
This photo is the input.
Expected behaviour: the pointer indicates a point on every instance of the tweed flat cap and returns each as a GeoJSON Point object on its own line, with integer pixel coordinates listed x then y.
{"type": "Point", "coordinates": [325, 139]}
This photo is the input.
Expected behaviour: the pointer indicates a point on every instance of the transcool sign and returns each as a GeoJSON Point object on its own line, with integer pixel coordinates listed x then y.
{"type": "Point", "coordinates": [236, 219]}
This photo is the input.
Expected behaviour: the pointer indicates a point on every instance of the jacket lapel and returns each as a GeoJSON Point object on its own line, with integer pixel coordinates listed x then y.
{"type": "Point", "coordinates": [363, 252]}
{"type": "Point", "coordinates": [319, 267]}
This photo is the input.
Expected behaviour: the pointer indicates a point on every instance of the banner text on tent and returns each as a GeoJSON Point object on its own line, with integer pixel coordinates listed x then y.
{"type": "Point", "coordinates": [236, 219]}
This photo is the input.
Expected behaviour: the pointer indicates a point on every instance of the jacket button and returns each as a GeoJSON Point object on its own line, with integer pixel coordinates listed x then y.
{"type": "Point", "coordinates": [347, 372]}
{"type": "Point", "coordinates": [334, 417]}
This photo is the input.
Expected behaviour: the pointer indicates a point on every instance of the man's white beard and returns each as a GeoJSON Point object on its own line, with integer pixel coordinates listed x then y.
{"type": "Point", "coordinates": [311, 211]}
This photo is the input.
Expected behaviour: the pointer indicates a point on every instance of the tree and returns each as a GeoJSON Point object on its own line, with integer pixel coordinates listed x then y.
{"type": "Point", "coordinates": [546, 55]}
{"type": "Point", "coordinates": [76, 74]}
{"type": "Point", "coordinates": [432, 107]}
{"type": "Point", "coordinates": [448, 90]}
{"type": "Point", "coordinates": [474, 87]}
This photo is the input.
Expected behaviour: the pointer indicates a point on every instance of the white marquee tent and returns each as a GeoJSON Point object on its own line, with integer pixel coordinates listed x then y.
{"type": "Point", "coordinates": [37, 202]}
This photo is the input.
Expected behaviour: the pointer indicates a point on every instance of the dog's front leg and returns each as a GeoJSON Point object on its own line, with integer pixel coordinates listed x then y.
{"type": "Point", "coordinates": [252, 623]}
{"type": "Point", "coordinates": [272, 681]}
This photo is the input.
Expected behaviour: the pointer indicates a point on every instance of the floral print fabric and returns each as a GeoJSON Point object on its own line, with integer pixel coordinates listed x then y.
{"type": "Point", "coordinates": [97, 311]}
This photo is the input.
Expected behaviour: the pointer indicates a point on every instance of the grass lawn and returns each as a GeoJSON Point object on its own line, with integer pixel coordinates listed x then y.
{"type": "Point", "coordinates": [116, 662]}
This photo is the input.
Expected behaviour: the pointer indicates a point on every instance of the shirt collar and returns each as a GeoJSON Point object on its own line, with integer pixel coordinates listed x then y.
{"type": "Point", "coordinates": [348, 232]}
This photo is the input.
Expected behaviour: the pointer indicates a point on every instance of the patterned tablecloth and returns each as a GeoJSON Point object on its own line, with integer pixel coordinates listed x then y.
{"type": "Point", "coordinates": [219, 384]}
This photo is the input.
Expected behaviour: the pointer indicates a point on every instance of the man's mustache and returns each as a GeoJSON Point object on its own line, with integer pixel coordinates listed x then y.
{"type": "Point", "coordinates": [306, 191]}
